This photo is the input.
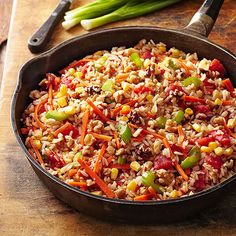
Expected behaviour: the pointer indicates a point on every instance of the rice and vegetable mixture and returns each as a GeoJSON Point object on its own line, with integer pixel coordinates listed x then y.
{"type": "Point", "coordinates": [141, 123]}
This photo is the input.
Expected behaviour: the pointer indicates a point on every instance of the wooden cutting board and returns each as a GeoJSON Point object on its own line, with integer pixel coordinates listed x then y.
{"type": "Point", "coordinates": [26, 206]}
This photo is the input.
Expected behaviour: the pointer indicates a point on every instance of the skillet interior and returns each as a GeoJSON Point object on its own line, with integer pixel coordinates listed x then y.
{"type": "Point", "coordinates": [57, 58]}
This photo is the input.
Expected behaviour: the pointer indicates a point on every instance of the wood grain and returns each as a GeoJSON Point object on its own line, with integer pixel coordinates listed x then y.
{"type": "Point", "coordinates": [27, 207]}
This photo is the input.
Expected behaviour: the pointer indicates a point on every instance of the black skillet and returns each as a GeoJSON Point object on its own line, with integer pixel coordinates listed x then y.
{"type": "Point", "coordinates": [191, 39]}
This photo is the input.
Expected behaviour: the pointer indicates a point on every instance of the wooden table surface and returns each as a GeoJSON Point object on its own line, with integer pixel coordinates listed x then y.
{"type": "Point", "coordinates": [26, 206]}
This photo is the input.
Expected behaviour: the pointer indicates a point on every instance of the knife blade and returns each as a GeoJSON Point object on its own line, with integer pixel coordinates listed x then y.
{"type": "Point", "coordinates": [38, 42]}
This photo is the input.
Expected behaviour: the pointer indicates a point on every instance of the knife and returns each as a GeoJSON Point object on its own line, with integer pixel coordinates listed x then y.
{"type": "Point", "coordinates": [37, 43]}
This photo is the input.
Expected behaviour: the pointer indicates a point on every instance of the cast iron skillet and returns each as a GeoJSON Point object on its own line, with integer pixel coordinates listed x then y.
{"type": "Point", "coordinates": [191, 39]}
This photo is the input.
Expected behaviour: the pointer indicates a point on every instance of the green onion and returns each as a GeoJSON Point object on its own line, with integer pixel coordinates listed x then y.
{"type": "Point", "coordinates": [148, 180]}
{"type": "Point", "coordinates": [121, 160]}
{"type": "Point", "coordinates": [134, 57]}
{"type": "Point", "coordinates": [179, 117]}
{"type": "Point", "coordinates": [132, 8]}
{"type": "Point", "coordinates": [57, 115]}
{"type": "Point", "coordinates": [108, 85]}
{"type": "Point", "coordinates": [161, 122]}
{"type": "Point", "coordinates": [192, 159]}
{"type": "Point", "coordinates": [125, 133]}
{"type": "Point", "coordinates": [100, 63]}
{"type": "Point", "coordinates": [91, 10]}
{"type": "Point", "coordinates": [191, 80]}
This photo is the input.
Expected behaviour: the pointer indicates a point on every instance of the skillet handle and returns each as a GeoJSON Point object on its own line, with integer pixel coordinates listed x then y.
{"type": "Point", "coordinates": [204, 19]}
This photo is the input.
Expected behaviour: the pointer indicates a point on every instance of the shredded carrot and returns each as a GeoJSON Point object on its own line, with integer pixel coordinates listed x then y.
{"type": "Point", "coordinates": [144, 197]}
{"type": "Point", "coordinates": [62, 128]}
{"type": "Point", "coordinates": [76, 63]}
{"type": "Point", "coordinates": [227, 103]}
{"type": "Point", "coordinates": [118, 109]}
{"type": "Point", "coordinates": [181, 171]}
{"type": "Point", "coordinates": [36, 115]}
{"type": "Point", "coordinates": [193, 99]}
{"type": "Point", "coordinates": [117, 140]}
{"type": "Point", "coordinates": [120, 166]}
{"type": "Point", "coordinates": [181, 134]}
{"type": "Point", "coordinates": [77, 184]}
{"type": "Point", "coordinates": [85, 120]}
{"type": "Point", "coordinates": [229, 130]}
{"type": "Point", "coordinates": [152, 191]}
{"type": "Point", "coordinates": [99, 158]}
{"type": "Point", "coordinates": [122, 77]}
{"type": "Point", "coordinates": [97, 179]}
{"type": "Point", "coordinates": [37, 153]}
{"type": "Point", "coordinates": [97, 110]}
{"type": "Point", "coordinates": [229, 87]}
{"type": "Point", "coordinates": [109, 159]}
{"type": "Point", "coordinates": [167, 145]}
{"type": "Point", "coordinates": [185, 68]}
{"type": "Point", "coordinates": [101, 136]}
{"type": "Point", "coordinates": [72, 172]}
{"type": "Point", "coordinates": [50, 96]}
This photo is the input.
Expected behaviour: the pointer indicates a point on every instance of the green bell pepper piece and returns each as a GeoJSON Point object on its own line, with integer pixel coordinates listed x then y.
{"type": "Point", "coordinates": [191, 80]}
{"type": "Point", "coordinates": [134, 57]}
{"type": "Point", "coordinates": [121, 160]}
{"type": "Point", "coordinates": [148, 178]}
{"type": "Point", "coordinates": [179, 117]}
{"type": "Point", "coordinates": [161, 122]}
{"type": "Point", "coordinates": [100, 62]}
{"type": "Point", "coordinates": [56, 115]}
{"type": "Point", "coordinates": [192, 159]}
{"type": "Point", "coordinates": [125, 133]}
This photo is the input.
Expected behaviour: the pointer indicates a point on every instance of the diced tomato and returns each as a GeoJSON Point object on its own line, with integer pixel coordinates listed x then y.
{"type": "Point", "coordinates": [174, 88]}
{"type": "Point", "coordinates": [200, 184]}
{"type": "Point", "coordinates": [162, 162]}
{"type": "Point", "coordinates": [202, 109]}
{"type": "Point", "coordinates": [55, 161]}
{"type": "Point", "coordinates": [143, 89]}
{"type": "Point", "coordinates": [205, 141]}
{"type": "Point", "coordinates": [68, 129]}
{"type": "Point", "coordinates": [223, 139]}
{"type": "Point", "coordinates": [24, 130]}
{"type": "Point", "coordinates": [215, 162]}
{"type": "Point", "coordinates": [147, 55]}
{"type": "Point", "coordinates": [216, 65]}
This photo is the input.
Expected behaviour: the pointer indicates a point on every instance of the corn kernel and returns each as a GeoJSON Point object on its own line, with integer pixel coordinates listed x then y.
{"type": "Point", "coordinates": [149, 97]}
{"type": "Point", "coordinates": [79, 90]}
{"type": "Point", "coordinates": [69, 110]}
{"type": "Point", "coordinates": [37, 144]}
{"type": "Point", "coordinates": [125, 86]}
{"type": "Point", "coordinates": [218, 102]}
{"type": "Point", "coordinates": [125, 110]}
{"type": "Point", "coordinates": [63, 91]}
{"type": "Point", "coordinates": [189, 111]}
{"type": "Point", "coordinates": [206, 149]}
{"type": "Point", "coordinates": [216, 94]}
{"type": "Point", "coordinates": [78, 74]}
{"type": "Point", "coordinates": [132, 185]}
{"type": "Point", "coordinates": [219, 151]}
{"type": "Point", "coordinates": [50, 137]}
{"type": "Point", "coordinates": [134, 165]}
{"type": "Point", "coordinates": [146, 63]}
{"type": "Point", "coordinates": [71, 71]}
{"type": "Point", "coordinates": [231, 123]}
{"type": "Point", "coordinates": [62, 102]}
{"type": "Point", "coordinates": [174, 194]}
{"type": "Point", "coordinates": [175, 53]}
{"type": "Point", "coordinates": [197, 127]}
{"type": "Point", "coordinates": [213, 145]}
{"type": "Point", "coordinates": [114, 173]}
{"type": "Point", "coordinates": [124, 118]}
{"type": "Point", "coordinates": [229, 151]}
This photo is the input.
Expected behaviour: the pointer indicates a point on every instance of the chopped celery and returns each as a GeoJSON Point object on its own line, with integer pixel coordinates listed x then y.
{"type": "Point", "coordinates": [108, 85]}
{"type": "Point", "coordinates": [134, 57]}
{"type": "Point", "coordinates": [56, 115]}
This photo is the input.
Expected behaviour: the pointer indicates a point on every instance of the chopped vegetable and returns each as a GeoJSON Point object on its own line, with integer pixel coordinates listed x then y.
{"type": "Point", "coordinates": [132, 8]}
{"type": "Point", "coordinates": [216, 65]}
{"type": "Point", "coordinates": [77, 184]}
{"type": "Point", "coordinates": [192, 159]}
{"type": "Point", "coordinates": [56, 115]}
{"type": "Point", "coordinates": [179, 116]}
{"type": "Point", "coordinates": [134, 57]}
{"type": "Point", "coordinates": [108, 85]}
{"type": "Point", "coordinates": [66, 129]}
{"type": "Point", "coordinates": [38, 155]}
{"type": "Point", "coordinates": [193, 99]}
{"type": "Point", "coordinates": [229, 87]}
{"type": "Point", "coordinates": [125, 133]}
{"type": "Point", "coordinates": [120, 166]}
{"type": "Point", "coordinates": [143, 89]}
{"type": "Point", "coordinates": [181, 171]}
{"type": "Point", "coordinates": [191, 80]}
{"type": "Point", "coordinates": [144, 197]}
{"type": "Point", "coordinates": [101, 136]}
{"type": "Point", "coordinates": [97, 179]}
{"type": "Point", "coordinates": [99, 158]}
{"type": "Point", "coordinates": [114, 173]}
{"type": "Point", "coordinates": [148, 180]}
{"type": "Point", "coordinates": [134, 165]}
{"type": "Point", "coordinates": [161, 122]}
{"type": "Point", "coordinates": [121, 160]}
{"type": "Point", "coordinates": [36, 115]}
{"type": "Point", "coordinates": [132, 185]}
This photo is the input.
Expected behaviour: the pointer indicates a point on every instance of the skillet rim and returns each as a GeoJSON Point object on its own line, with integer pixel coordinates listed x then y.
{"type": "Point", "coordinates": [60, 46]}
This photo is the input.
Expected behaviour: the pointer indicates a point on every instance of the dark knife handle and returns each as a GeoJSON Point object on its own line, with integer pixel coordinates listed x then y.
{"type": "Point", "coordinates": [41, 37]}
